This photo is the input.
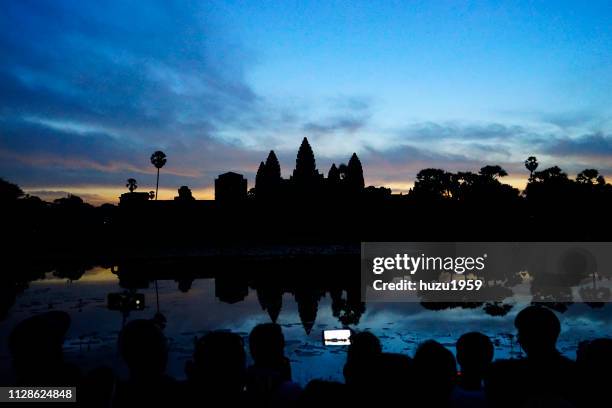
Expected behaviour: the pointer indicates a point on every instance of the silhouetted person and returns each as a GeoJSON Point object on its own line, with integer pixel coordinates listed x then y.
{"type": "Point", "coordinates": [144, 349]}
{"type": "Point", "coordinates": [216, 375]}
{"type": "Point", "coordinates": [35, 345]}
{"type": "Point", "coordinates": [359, 369]}
{"type": "Point", "coordinates": [391, 380]}
{"type": "Point", "coordinates": [361, 356]}
{"type": "Point", "coordinates": [324, 394]}
{"type": "Point", "coordinates": [269, 378]}
{"type": "Point", "coordinates": [97, 388]}
{"type": "Point", "coordinates": [594, 360]}
{"type": "Point", "coordinates": [474, 355]}
{"type": "Point", "coordinates": [435, 372]}
{"type": "Point", "coordinates": [538, 330]}
{"type": "Point", "coordinates": [545, 375]}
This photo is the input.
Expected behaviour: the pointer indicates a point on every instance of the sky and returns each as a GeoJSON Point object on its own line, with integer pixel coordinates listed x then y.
{"type": "Point", "coordinates": [88, 90]}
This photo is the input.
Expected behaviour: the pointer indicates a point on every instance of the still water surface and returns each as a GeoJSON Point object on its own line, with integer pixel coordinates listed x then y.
{"type": "Point", "coordinates": [92, 337]}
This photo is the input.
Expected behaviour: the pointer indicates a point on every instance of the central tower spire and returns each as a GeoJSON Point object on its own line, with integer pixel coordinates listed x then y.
{"type": "Point", "coordinates": [305, 166]}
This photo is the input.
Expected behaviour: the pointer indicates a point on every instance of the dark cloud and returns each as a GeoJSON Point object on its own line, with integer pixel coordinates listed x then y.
{"type": "Point", "coordinates": [146, 68]}
{"type": "Point", "coordinates": [351, 103]}
{"type": "Point", "coordinates": [408, 153]}
{"type": "Point", "coordinates": [36, 154]}
{"type": "Point", "coordinates": [87, 91]}
{"type": "Point", "coordinates": [353, 114]}
{"type": "Point", "coordinates": [335, 125]}
{"type": "Point", "coordinates": [595, 146]}
{"type": "Point", "coordinates": [401, 164]}
{"type": "Point", "coordinates": [568, 120]}
{"type": "Point", "coordinates": [30, 141]}
{"type": "Point", "coordinates": [432, 131]}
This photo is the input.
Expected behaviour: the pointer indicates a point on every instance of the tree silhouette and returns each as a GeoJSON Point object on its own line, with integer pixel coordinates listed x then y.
{"type": "Point", "coordinates": [531, 164]}
{"type": "Point", "coordinates": [70, 201]}
{"type": "Point", "coordinates": [434, 183]}
{"type": "Point", "coordinates": [492, 172]}
{"type": "Point", "coordinates": [589, 176]}
{"type": "Point", "coordinates": [132, 184]}
{"type": "Point", "coordinates": [184, 194]}
{"type": "Point", "coordinates": [9, 191]}
{"type": "Point", "coordinates": [550, 174]}
{"type": "Point", "coordinates": [158, 159]}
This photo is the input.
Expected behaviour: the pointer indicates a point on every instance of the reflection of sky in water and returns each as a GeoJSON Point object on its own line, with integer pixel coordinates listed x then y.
{"type": "Point", "coordinates": [401, 326]}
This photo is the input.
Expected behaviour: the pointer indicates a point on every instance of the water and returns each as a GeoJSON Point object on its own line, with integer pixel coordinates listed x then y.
{"type": "Point", "coordinates": [92, 337]}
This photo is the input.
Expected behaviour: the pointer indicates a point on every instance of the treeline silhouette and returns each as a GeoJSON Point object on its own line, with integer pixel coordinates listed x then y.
{"type": "Point", "coordinates": [218, 374]}
{"type": "Point", "coordinates": [310, 208]}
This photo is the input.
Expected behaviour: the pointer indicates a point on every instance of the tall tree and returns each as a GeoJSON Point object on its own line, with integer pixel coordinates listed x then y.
{"type": "Point", "coordinates": [531, 164]}
{"type": "Point", "coordinates": [158, 159]}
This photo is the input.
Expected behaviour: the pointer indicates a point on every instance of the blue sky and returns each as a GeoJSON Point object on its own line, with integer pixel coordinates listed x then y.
{"type": "Point", "coordinates": [89, 89]}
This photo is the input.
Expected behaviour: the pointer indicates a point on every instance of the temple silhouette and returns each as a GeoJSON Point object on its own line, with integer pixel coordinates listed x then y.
{"type": "Point", "coordinates": [305, 183]}
{"type": "Point", "coordinates": [311, 211]}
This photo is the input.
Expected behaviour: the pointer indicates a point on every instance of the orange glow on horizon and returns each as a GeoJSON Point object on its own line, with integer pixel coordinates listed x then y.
{"type": "Point", "coordinates": [98, 195]}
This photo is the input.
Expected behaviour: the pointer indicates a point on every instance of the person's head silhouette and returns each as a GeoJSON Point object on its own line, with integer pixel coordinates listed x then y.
{"type": "Point", "coordinates": [267, 345]}
{"type": "Point", "coordinates": [320, 393]}
{"type": "Point", "coordinates": [538, 329]}
{"type": "Point", "coordinates": [394, 371]}
{"type": "Point", "coordinates": [595, 356]}
{"type": "Point", "coordinates": [474, 354]}
{"type": "Point", "coordinates": [435, 370]}
{"type": "Point", "coordinates": [219, 363]}
{"type": "Point", "coordinates": [144, 349]}
{"type": "Point", "coordinates": [36, 344]}
{"type": "Point", "coordinates": [362, 354]}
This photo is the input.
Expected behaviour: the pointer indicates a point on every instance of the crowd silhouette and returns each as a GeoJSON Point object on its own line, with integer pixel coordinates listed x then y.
{"type": "Point", "coordinates": [218, 375]}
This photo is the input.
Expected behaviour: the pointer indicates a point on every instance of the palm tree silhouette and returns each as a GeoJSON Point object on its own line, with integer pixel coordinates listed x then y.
{"type": "Point", "coordinates": [158, 159]}
{"type": "Point", "coordinates": [132, 184]}
{"type": "Point", "coordinates": [531, 164]}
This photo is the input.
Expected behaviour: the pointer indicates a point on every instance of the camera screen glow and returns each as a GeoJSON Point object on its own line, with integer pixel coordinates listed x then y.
{"type": "Point", "coordinates": [337, 337]}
